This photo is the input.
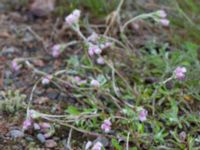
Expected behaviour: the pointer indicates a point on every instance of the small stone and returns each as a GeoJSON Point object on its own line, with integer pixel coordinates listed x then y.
{"type": "Point", "coordinates": [29, 138]}
{"type": "Point", "coordinates": [42, 8]}
{"type": "Point", "coordinates": [41, 138]}
{"type": "Point", "coordinates": [50, 144]}
{"type": "Point", "coordinates": [16, 134]}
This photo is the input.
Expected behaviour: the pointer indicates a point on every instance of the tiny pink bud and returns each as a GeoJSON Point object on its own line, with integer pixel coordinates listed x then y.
{"type": "Point", "coordinates": [135, 26]}
{"type": "Point", "coordinates": [95, 83]}
{"type": "Point", "coordinates": [100, 61]}
{"type": "Point", "coordinates": [94, 49]}
{"type": "Point", "coordinates": [143, 115]}
{"type": "Point", "coordinates": [47, 135]}
{"type": "Point", "coordinates": [73, 18]}
{"type": "Point", "coordinates": [91, 52]}
{"type": "Point", "coordinates": [77, 78]}
{"type": "Point", "coordinates": [180, 73]}
{"type": "Point", "coordinates": [182, 136]}
{"type": "Point", "coordinates": [106, 126]}
{"type": "Point", "coordinates": [164, 22]}
{"type": "Point", "coordinates": [56, 50]}
{"type": "Point", "coordinates": [46, 80]}
{"type": "Point", "coordinates": [26, 124]}
{"type": "Point", "coordinates": [79, 81]}
{"type": "Point", "coordinates": [162, 13]}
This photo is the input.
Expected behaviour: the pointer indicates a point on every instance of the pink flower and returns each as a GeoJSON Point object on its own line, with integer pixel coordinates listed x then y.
{"type": "Point", "coordinates": [180, 73]}
{"type": "Point", "coordinates": [162, 13]}
{"type": "Point", "coordinates": [100, 60]}
{"type": "Point", "coordinates": [46, 80]}
{"type": "Point", "coordinates": [91, 52]}
{"type": "Point", "coordinates": [106, 126]}
{"type": "Point", "coordinates": [26, 124]}
{"type": "Point", "coordinates": [73, 18]}
{"type": "Point", "coordinates": [143, 115]}
{"type": "Point", "coordinates": [94, 49]}
{"type": "Point", "coordinates": [95, 83]}
{"type": "Point", "coordinates": [15, 65]}
{"type": "Point", "coordinates": [97, 146]}
{"type": "Point", "coordinates": [164, 22]}
{"type": "Point", "coordinates": [56, 50]}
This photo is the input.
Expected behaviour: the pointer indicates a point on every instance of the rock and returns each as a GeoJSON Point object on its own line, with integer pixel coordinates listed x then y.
{"type": "Point", "coordinates": [16, 134]}
{"type": "Point", "coordinates": [8, 50]}
{"type": "Point", "coordinates": [17, 17]}
{"type": "Point", "coordinates": [2, 7]}
{"type": "Point", "coordinates": [41, 8]}
{"type": "Point", "coordinates": [50, 144]}
{"type": "Point", "coordinates": [29, 138]}
{"type": "Point", "coordinates": [41, 138]}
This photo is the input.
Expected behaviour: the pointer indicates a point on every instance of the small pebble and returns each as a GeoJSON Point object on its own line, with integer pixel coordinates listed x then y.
{"type": "Point", "coordinates": [16, 134]}
{"type": "Point", "coordinates": [50, 144]}
{"type": "Point", "coordinates": [41, 138]}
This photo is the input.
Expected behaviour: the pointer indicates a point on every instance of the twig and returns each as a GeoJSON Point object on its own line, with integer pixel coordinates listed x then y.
{"type": "Point", "coordinates": [69, 139]}
{"type": "Point", "coordinates": [127, 141]}
{"type": "Point", "coordinates": [142, 16]}
{"type": "Point", "coordinates": [116, 16]}
{"type": "Point", "coordinates": [37, 37]}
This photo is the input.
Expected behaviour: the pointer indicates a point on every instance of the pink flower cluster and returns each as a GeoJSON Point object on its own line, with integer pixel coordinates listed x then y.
{"type": "Point", "coordinates": [106, 126]}
{"type": "Point", "coordinates": [43, 126]}
{"type": "Point", "coordinates": [143, 115]}
{"type": "Point", "coordinates": [180, 73]}
{"type": "Point", "coordinates": [162, 18]}
{"type": "Point", "coordinates": [94, 47]}
{"type": "Point", "coordinates": [73, 18]}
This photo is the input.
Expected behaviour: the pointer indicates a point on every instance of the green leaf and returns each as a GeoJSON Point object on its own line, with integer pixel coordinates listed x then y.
{"type": "Point", "coordinates": [73, 110]}
{"type": "Point", "coordinates": [116, 145]}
